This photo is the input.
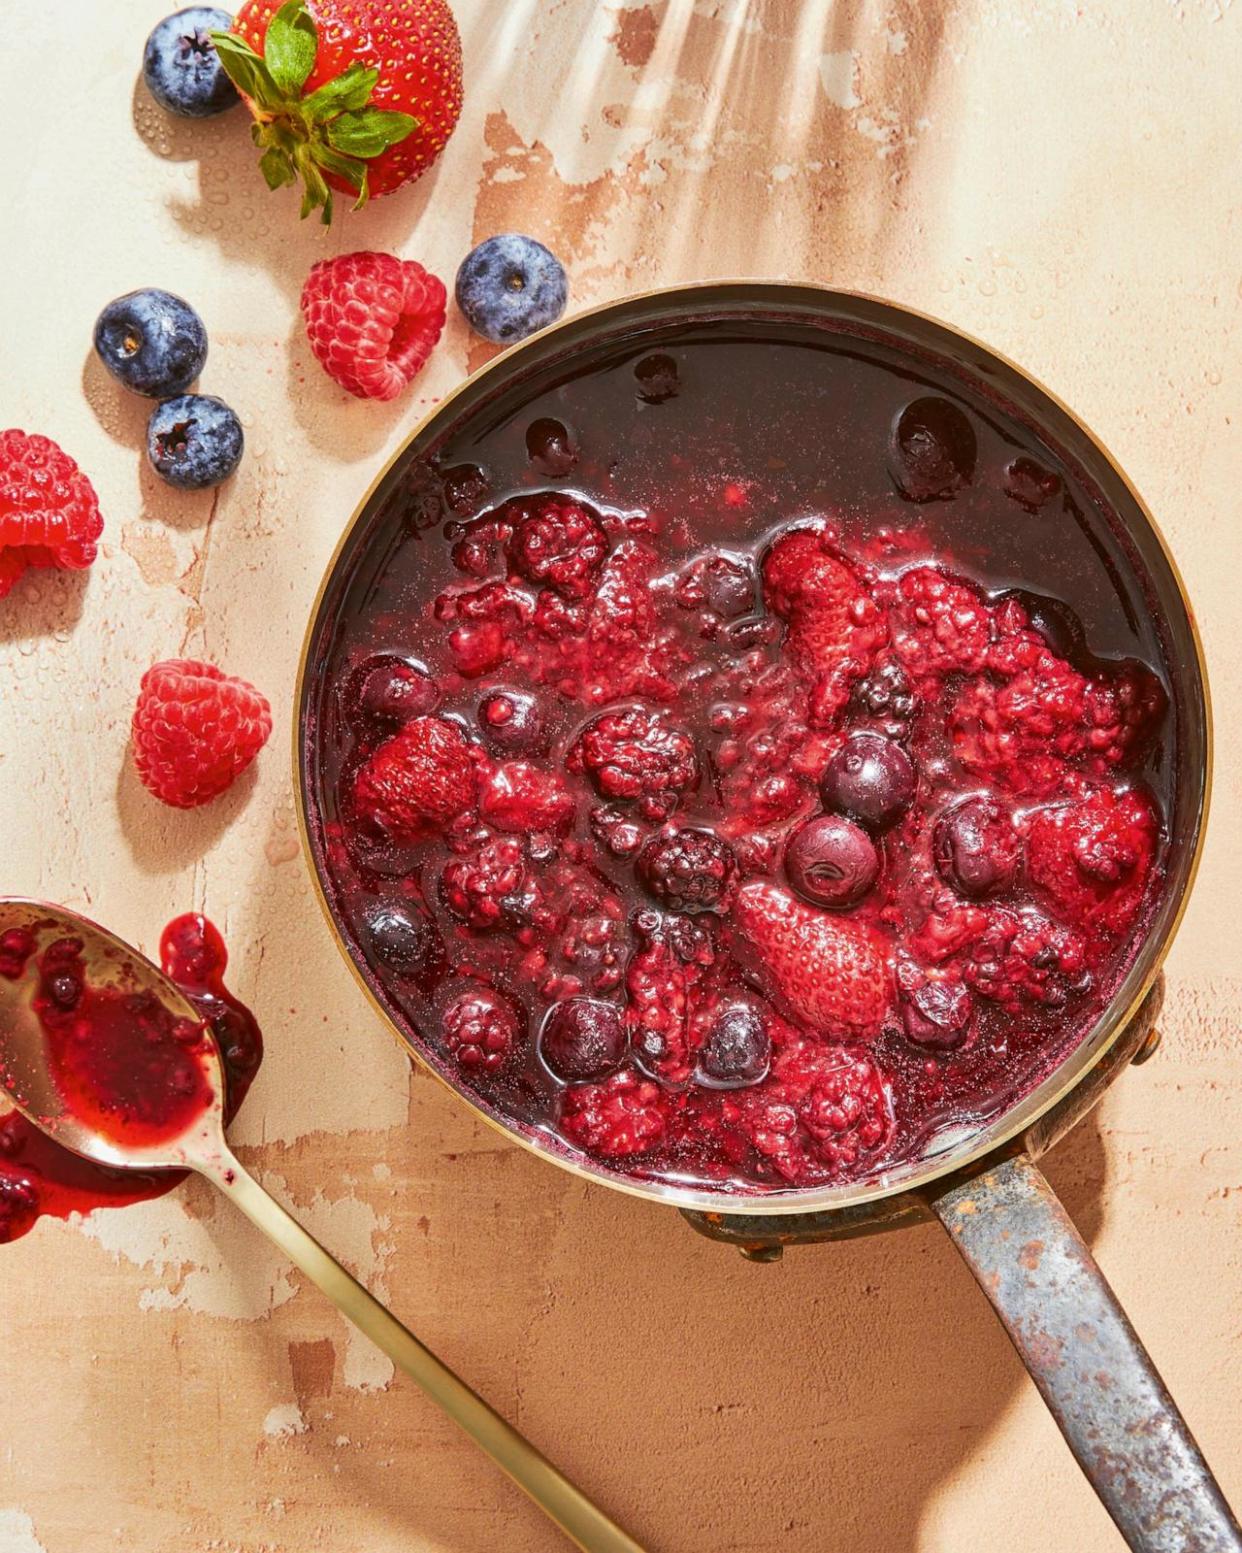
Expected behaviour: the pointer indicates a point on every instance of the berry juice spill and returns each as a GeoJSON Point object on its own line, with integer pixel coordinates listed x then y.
{"type": "Point", "coordinates": [742, 762]}
{"type": "Point", "coordinates": [125, 1065]}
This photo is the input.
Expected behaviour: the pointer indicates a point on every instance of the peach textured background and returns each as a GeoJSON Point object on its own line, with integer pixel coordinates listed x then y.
{"type": "Point", "coordinates": [1061, 179]}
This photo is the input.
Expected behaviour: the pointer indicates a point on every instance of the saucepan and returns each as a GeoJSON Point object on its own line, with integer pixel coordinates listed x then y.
{"type": "Point", "coordinates": [983, 1185]}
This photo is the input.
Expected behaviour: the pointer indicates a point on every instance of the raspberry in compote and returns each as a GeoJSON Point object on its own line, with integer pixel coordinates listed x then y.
{"type": "Point", "coordinates": [740, 765]}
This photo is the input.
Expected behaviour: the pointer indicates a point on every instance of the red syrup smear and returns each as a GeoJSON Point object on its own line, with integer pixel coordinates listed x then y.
{"type": "Point", "coordinates": [135, 1077]}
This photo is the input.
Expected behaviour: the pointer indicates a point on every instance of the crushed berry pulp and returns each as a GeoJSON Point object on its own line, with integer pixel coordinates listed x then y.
{"type": "Point", "coordinates": [126, 1065]}
{"type": "Point", "coordinates": [771, 794]}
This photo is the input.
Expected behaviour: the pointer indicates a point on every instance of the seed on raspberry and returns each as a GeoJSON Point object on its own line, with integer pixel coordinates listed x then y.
{"type": "Point", "coordinates": [830, 861]}
{"type": "Point", "coordinates": [688, 870]}
{"type": "Point", "coordinates": [372, 320]}
{"type": "Point", "coordinates": [738, 1048]}
{"type": "Point", "coordinates": [480, 1030]}
{"type": "Point", "coordinates": [639, 756]}
{"type": "Point", "coordinates": [556, 540]}
{"type": "Point", "coordinates": [932, 450]}
{"type": "Point", "coordinates": [582, 1038]}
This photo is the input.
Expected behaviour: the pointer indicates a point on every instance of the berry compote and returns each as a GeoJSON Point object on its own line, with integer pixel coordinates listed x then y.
{"type": "Point", "coordinates": [125, 1064]}
{"type": "Point", "coordinates": [761, 796]}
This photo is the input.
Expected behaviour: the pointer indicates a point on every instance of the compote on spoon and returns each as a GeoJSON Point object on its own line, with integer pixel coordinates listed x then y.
{"type": "Point", "coordinates": [103, 1052]}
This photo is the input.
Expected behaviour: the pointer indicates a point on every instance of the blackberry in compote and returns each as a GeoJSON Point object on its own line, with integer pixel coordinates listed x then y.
{"type": "Point", "coordinates": [757, 769]}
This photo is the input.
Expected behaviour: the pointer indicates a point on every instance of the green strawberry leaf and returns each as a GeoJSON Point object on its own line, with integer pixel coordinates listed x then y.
{"type": "Point", "coordinates": [350, 90]}
{"type": "Point", "coordinates": [290, 47]}
{"type": "Point", "coordinates": [277, 168]}
{"type": "Point", "coordinates": [369, 132]}
{"type": "Point", "coordinates": [247, 71]}
{"type": "Point", "coordinates": [350, 168]}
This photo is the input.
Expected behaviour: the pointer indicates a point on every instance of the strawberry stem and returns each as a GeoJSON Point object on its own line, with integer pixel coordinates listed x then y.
{"type": "Point", "coordinates": [334, 129]}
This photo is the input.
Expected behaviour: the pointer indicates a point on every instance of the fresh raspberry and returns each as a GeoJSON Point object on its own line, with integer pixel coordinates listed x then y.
{"type": "Point", "coordinates": [480, 1029]}
{"type": "Point", "coordinates": [556, 540]}
{"type": "Point", "coordinates": [1091, 858]}
{"type": "Point", "coordinates": [49, 513]}
{"type": "Point", "coordinates": [823, 1108]}
{"type": "Point", "coordinates": [372, 320]}
{"type": "Point", "coordinates": [939, 624]}
{"type": "Point", "coordinates": [490, 889]}
{"type": "Point", "coordinates": [419, 780]}
{"type": "Point", "coordinates": [195, 730]}
{"type": "Point", "coordinates": [688, 870]}
{"type": "Point", "coordinates": [834, 625]}
{"type": "Point", "coordinates": [624, 1116]}
{"type": "Point", "coordinates": [526, 799]}
{"type": "Point", "coordinates": [831, 973]}
{"type": "Point", "coordinates": [638, 755]}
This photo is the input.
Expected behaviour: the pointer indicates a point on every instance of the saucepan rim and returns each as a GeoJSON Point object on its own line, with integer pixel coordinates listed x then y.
{"type": "Point", "coordinates": [759, 298]}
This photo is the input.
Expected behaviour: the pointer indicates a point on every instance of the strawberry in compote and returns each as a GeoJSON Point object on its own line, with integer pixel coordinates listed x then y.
{"type": "Point", "coordinates": [761, 789]}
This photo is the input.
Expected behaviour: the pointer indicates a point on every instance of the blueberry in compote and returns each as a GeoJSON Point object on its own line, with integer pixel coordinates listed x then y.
{"type": "Point", "coordinates": [871, 778]}
{"type": "Point", "coordinates": [932, 450]}
{"type": "Point", "coordinates": [937, 1014]}
{"type": "Point", "coordinates": [582, 1038]}
{"type": "Point", "coordinates": [398, 936]}
{"type": "Point", "coordinates": [512, 722]}
{"type": "Point", "coordinates": [392, 690]}
{"type": "Point", "coordinates": [657, 377]}
{"type": "Point", "coordinates": [738, 1048]}
{"type": "Point", "coordinates": [976, 847]}
{"type": "Point", "coordinates": [550, 446]}
{"type": "Point", "coordinates": [831, 861]}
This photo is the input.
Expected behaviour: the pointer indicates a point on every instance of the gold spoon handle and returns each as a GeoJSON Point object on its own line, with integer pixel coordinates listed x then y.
{"type": "Point", "coordinates": [555, 1495]}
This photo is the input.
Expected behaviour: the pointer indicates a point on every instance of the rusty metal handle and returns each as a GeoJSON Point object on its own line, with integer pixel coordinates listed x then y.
{"type": "Point", "coordinates": [1094, 1373]}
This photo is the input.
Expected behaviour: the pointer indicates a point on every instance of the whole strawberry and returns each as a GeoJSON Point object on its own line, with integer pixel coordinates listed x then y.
{"type": "Point", "coordinates": [372, 320]}
{"type": "Point", "coordinates": [49, 513]}
{"type": "Point", "coordinates": [829, 972]}
{"type": "Point", "coordinates": [354, 95]}
{"type": "Point", "coordinates": [195, 730]}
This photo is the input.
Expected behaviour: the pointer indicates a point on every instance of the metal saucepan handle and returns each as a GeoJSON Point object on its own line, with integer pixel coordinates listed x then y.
{"type": "Point", "coordinates": [1094, 1373]}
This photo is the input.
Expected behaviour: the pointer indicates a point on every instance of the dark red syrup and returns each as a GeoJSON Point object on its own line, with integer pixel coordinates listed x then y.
{"type": "Point", "coordinates": [125, 1064]}
{"type": "Point", "coordinates": [763, 792]}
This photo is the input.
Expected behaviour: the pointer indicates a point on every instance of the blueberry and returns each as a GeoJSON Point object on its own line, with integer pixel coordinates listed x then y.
{"type": "Point", "coordinates": [152, 342]}
{"type": "Point", "coordinates": [194, 441]}
{"type": "Point", "coordinates": [831, 862]}
{"type": "Point", "coordinates": [738, 1048]}
{"type": "Point", "coordinates": [509, 286]}
{"type": "Point", "coordinates": [392, 690]}
{"type": "Point", "coordinates": [932, 450]}
{"type": "Point", "coordinates": [582, 1038]}
{"type": "Point", "coordinates": [937, 1013]}
{"type": "Point", "coordinates": [397, 936]}
{"type": "Point", "coordinates": [181, 67]}
{"type": "Point", "coordinates": [976, 848]}
{"type": "Point", "coordinates": [871, 778]}
{"type": "Point", "coordinates": [512, 722]}
{"type": "Point", "coordinates": [551, 446]}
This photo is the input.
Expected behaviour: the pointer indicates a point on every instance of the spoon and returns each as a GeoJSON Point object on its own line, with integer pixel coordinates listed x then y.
{"type": "Point", "coordinates": [32, 1074]}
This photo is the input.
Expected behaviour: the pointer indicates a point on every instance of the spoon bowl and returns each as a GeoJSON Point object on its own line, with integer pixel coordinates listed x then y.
{"type": "Point", "coordinates": [104, 1053]}
{"type": "Point", "coordinates": [111, 968]}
